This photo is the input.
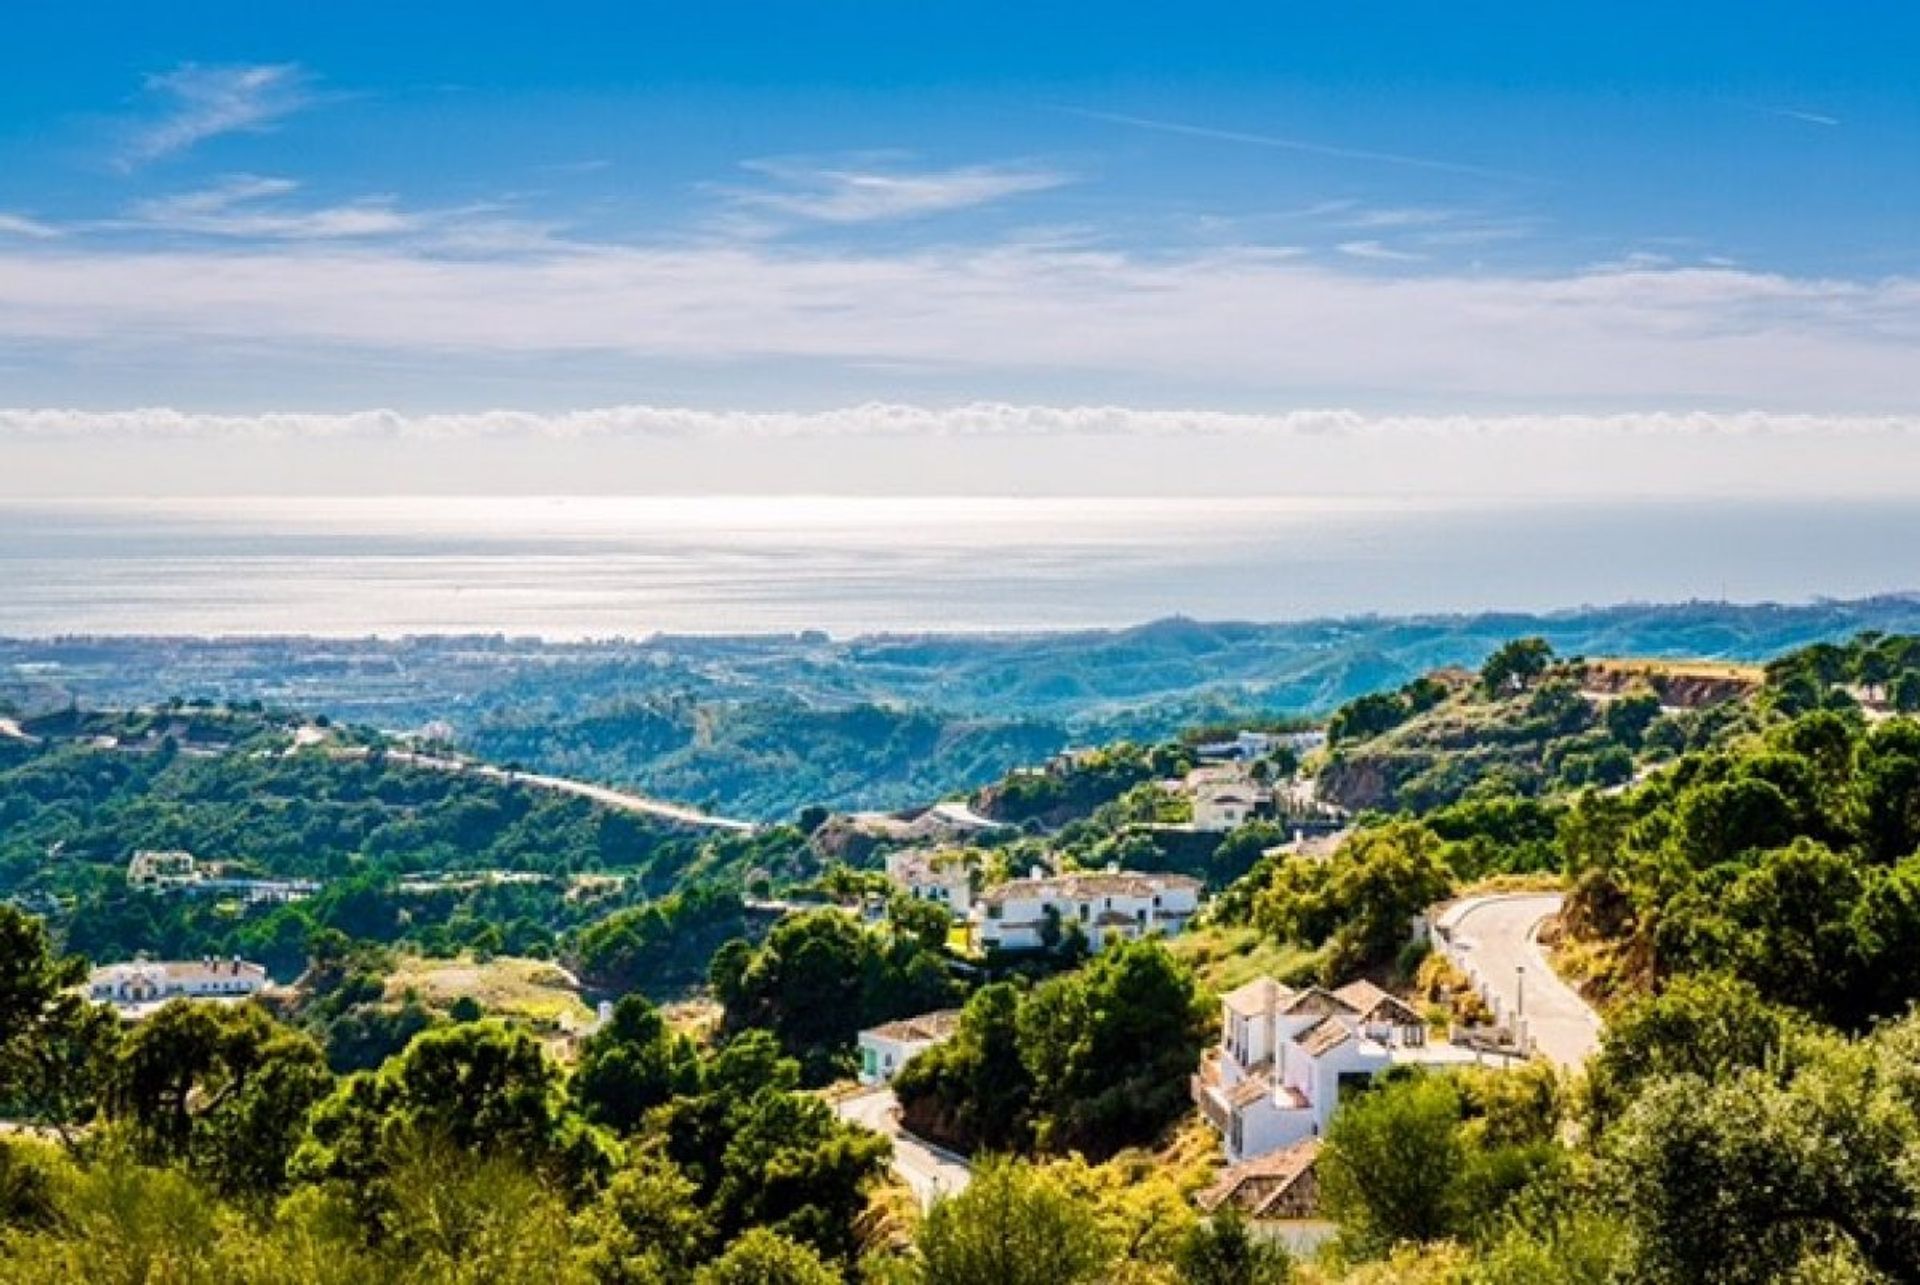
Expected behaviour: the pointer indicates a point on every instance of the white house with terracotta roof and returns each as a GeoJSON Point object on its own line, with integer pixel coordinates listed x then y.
{"type": "Point", "coordinates": [137, 987]}
{"type": "Point", "coordinates": [1108, 906]}
{"type": "Point", "coordinates": [886, 1048]}
{"type": "Point", "coordinates": [939, 875]}
{"type": "Point", "coordinates": [1287, 1057]}
{"type": "Point", "coordinates": [1228, 806]}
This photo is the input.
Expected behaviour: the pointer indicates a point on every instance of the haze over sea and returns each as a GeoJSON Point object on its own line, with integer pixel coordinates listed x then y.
{"type": "Point", "coordinates": [598, 567]}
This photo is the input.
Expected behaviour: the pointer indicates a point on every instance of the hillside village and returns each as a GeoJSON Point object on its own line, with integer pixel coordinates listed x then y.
{"type": "Point", "coordinates": [1206, 957]}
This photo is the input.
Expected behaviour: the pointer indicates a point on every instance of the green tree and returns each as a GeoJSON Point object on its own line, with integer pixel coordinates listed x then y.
{"type": "Point", "coordinates": [924, 921]}
{"type": "Point", "coordinates": [1629, 717]}
{"type": "Point", "coordinates": [1111, 1047]}
{"type": "Point", "coordinates": [1889, 789]}
{"type": "Point", "coordinates": [631, 1065]}
{"type": "Point", "coordinates": [1796, 938]}
{"type": "Point", "coordinates": [646, 1227]}
{"type": "Point", "coordinates": [223, 1088]}
{"type": "Point", "coordinates": [1391, 1167]}
{"type": "Point", "coordinates": [1364, 898]}
{"type": "Point", "coordinates": [793, 1166]}
{"type": "Point", "coordinates": [460, 1216]}
{"type": "Point", "coordinates": [1753, 1179]}
{"type": "Point", "coordinates": [55, 1048]}
{"type": "Point", "coordinates": [479, 1088]}
{"type": "Point", "coordinates": [973, 1092]}
{"type": "Point", "coordinates": [1222, 1251]}
{"type": "Point", "coordinates": [1707, 1027]}
{"type": "Point", "coordinates": [1365, 717]}
{"type": "Point", "coordinates": [820, 977]}
{"type": "Point", "coordinates": [1515, 665]}
{"type": "Point", "coordinates": [761, 1257]}
{"type": "Point", "coordinates": [1720, 821]}
{"type": "Point", "coordinates": [1013, 1225]}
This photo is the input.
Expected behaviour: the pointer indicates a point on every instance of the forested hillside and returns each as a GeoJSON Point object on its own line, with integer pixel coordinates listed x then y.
{"type": "Point", "coordinates": [401, 853]}
{"type": "Point", "coordinates": [1740, 853]}
{"type": "Point", "coordinates": [762, 726]}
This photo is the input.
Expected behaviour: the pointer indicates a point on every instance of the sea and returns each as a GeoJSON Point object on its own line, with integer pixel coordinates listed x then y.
{"type": "Point", "coordinates": [601, 567]}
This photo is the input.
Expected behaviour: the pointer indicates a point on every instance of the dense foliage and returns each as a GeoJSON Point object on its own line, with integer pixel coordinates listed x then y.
{"type": "Point", "coordinates": [442, 861]}
{"type": "Point", "coordinates": [216, 1145]}
{"type": "Point", "coordinates": [822, 976]}
{"type": "Point", "coordinates": [1791, 861]}
{"type": "Point", "coordinates": [1075, 785]}
{"type": "Point", "coordinates": [1090, 1061]}
{"type": "Point", "coordinates": [621, 710]}
{"type": "Point", "coordinates": [1745, 897]}
{"type": "Point", "coordinates": [1529, 725]}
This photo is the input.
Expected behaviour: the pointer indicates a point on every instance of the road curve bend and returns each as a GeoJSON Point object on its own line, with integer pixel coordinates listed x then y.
{"type": "Point", "coordinates": [931, 1172]}
{"type": "Point", "coordinates": [1496, 939]}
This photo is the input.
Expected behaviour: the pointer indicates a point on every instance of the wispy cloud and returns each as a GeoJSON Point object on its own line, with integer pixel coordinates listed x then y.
{"type": "Point", "coordinates": [1254, 323]}
{"type": "Point", "coordinates": [233, 208]}
{"type": "Point", "coordinates": [199, 103]}
{"type": "Point", "coordinates": [19, 225]}
{"type": "Point", "coordinates": [855, 193]}
{"type": "Point", "coordinates": [1281, 143]}
{"type": "Point", "coordinates": [1377, 252]}
{"type": "Point", "coordinates": [1792, 113]}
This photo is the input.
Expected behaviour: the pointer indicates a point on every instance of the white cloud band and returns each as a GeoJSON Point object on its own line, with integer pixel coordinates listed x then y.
{"type": "Point", "coordinates": [1254, 322]}
{"type": "Point", "coordinates": [889, 420]}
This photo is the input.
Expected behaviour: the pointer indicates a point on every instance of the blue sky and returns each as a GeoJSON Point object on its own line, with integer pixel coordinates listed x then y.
{"type": "Point", "coordinates": [1397, 212]}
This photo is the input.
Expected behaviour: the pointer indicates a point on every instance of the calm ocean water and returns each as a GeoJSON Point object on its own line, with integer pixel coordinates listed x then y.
{"type": "Point", "coordinates": [577, 567]}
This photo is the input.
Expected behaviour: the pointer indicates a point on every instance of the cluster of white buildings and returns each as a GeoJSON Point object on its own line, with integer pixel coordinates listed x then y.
{"type": "Point", "coordinates": [1037, 912]}
{"type": "Point", "coordinates": [177, 872]}
{"type": "Point", "coordinates": [1287, 1057]}
{"type": "Point", "coordinates": [1107, 906]}
{"type": "Point", "coordinates": [152, 870]}
{"type": "Point", "coordinates": [1246, 745]}
{"type": "Point", "coordinates": [138, 987]}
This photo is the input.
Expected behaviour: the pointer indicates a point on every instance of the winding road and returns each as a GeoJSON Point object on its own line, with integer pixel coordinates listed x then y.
{"type": "Point", "coordinates": [931, 1172]}
{"type": "Point", "coordinates": [619, 800]}
{"type": "Point", "coordinates": [1496, 939]}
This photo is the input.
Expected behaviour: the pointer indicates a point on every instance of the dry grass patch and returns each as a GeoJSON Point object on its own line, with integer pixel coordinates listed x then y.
{"type": "Point", "coordinates": [537, 991]}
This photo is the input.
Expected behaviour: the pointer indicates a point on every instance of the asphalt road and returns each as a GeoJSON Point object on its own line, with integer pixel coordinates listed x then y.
{"type": "Point", "coordinates": [1498, 934]}
{"type": "Point", "coordinates": [929, 1171]}
{"type": "Point", "coordinates": [620, 800]}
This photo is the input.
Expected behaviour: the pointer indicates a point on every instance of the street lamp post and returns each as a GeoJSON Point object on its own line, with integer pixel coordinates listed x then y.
{"type": "Point", "coordinates": [1520, 1006]}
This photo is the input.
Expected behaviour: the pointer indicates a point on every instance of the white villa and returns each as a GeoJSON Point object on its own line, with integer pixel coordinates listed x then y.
{"type": "Point", "coordinates": [1224, 796]}
{"type": "Point", "coordinates": [1229, 805]}
{"type": "Point", "coordinates": [933, 874]}
{"type": "Point", "coordinates": [152, 869]}
{"type": "Point", "coordinates": [885, 1049]}
{"type": "Point", "coordinates": [138, 987]}
{"type": "Point", "coordinates": [1113, 905]}
{"type": "Point", "coordinates": [1287, 1057]}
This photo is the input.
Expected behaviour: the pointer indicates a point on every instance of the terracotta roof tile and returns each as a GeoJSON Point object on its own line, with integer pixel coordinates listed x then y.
{"type": "Point", "coordinates": [1287, 1165]}
{"type": "Point", "coordinates": [926, 1027]}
